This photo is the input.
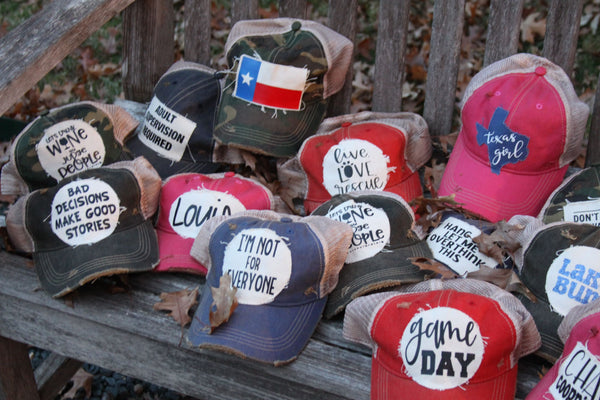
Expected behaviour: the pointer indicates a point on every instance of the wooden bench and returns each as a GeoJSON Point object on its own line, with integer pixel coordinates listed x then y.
{"type": "Point", "coordinates": [121, 331]}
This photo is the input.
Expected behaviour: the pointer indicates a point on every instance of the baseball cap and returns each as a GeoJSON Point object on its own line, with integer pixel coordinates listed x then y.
{"type": "Point", "coordinates": [459, 339]}
{"type": "Point", "coordinates": [283, 72]}
{"type": "Point", "coordinates": [522, 124]}
{"type": "Point", "coordinates": [560, 268]}
{"type": "Point", "coordinates": [283, 267]}
{"type": "Point", "coordinates": [451, 243]}
{"type": "Point", "coordinates": [176, 135]}
{"type": "Point", "coordinates": [381, 246]}
{"type": "Point", "coordinates": [577, 199]}
{"type": "Point", "coordinates": [573, 375]}
{"type": "Point", "coordinates": [188, 200]}
{"type": "Point", "coordinates": [363, 151]}
{"type": "Point", "coordinates": [65, 141]}
{"type": "Point", "coordinates": [92, 224]}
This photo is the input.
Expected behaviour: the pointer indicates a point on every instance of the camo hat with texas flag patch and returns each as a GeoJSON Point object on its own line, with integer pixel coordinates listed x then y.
{"type": "Point", "coordinates": [92, 224]}
{"type": "Point", "coordinates": [577, 199]}
{"type": "Point", "coordinates": [522, 124]}
{"type": "Point", "coordinates": [363, 151]}
{"type": "Point", "coordinates": [443, 339]}
{"type": "Point", "coordinates": [66, 141]}
{"type": "Point", "coordinates": [283, 72]}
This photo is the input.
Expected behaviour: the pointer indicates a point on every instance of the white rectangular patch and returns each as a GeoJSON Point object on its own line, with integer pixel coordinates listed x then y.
{"type": "Point", "coordinates": [166, 131]}
{"type": "Point", "coordinates": [583, 212]}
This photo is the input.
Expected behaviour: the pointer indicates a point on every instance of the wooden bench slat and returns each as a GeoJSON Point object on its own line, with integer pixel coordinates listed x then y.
{"type": "Point", "coordinates": [122, 332]}
{"type": "Point", "coordinates": [148, 45]}
{"type": "Point", "coordinates": [293, 8]}
{"type": "Point", "coordinates": [503, 30]}
{"type": "Point", "coordinates": [442, 70]}
{"type": "Point", "coordinates": [341, 18]}
{"type": "Point", "coordinates": [562, 32]}
{"type": "Point", "coordinates": [243, 9]}
{"type": "Point", "coordinates": [29, 51]}
{"type": "Point", "coordinates": [390, 55]}
{"type": "Point", "coordinates": [16, 377]}
{"type": "Point", "coordinates": [52, 375]}
{"type": "Point", "coordinates": [593, 146]}
{"type": "Point", "coordinates": [197, 34]}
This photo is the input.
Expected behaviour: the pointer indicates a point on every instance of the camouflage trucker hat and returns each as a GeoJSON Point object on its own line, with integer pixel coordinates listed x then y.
{"type": "Point", "coordinates": [282, 73]}
{"type": "Point", "coordinates": [65, 141]}
{"type": "Point", "coordinates": [577, 199]}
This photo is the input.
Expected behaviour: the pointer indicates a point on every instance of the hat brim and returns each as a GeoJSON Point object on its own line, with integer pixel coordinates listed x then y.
{"type": "Point", "coordinates": [64, 270]}
{"type": "Point", "coordinates": [387, 385]}
{"type": "Point", "coordinates": [388, 268]}
{"type": "Point", "coordinates": [496, 197]}
{"type": "Point", "coordinates": [547, 322]}
{"type": "Point", "coordinates": [266, 333]}
{"type": "Point", "coordinates": [174, 252]}
{"type": "Point", "coordinates": [269, 131]}
{"type": "Point", "coordinates": [166, 167]}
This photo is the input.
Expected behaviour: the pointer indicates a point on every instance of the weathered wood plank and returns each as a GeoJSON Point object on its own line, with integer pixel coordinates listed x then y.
{"type": "Point", "coordinates": [197, 32]}
{"type": "Point", "coordinates": [293, 8]}
{"type": "Point", "coordinates": [148, 46]}
{"type": "Point", "coordinates": [53, 374]}
{"type": "Point", "coordinates": [16, 375]}
{"type": "Point", "coordinates": [123, 333]}
{"type": "Point", "coordinates": [562, 31]}
{"type": "Point", "coordinates": [32, 49]}
{"type": "Point", "coordinates": [243, 9]}
{"type": "Point", "coordinates": [593, 147]}
{"type": "Point", "coordinates": [390, 55]}
{"type": "Point", "coordinates": [442, 70]}
{"type": "Point", "coordinates": [504, 25]}
{"type": "Point", "coordinates": [341, 18]}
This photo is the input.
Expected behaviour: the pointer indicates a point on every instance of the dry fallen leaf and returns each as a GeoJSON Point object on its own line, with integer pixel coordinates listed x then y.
{"type": "Point", "coordinates": [428, 264]}
{"type": "Point", "coordinates": [567, 234]}
{"type": "Point", "coordinates": [224, 302]}
{"type": "Point", "coordinates": [178, 304]}
{"type": "Point", "coordinates": [501, 242]}
{"type": "Point", "coordinates": [81, 379]}
{"type": "Point", "coordinates": [533, 26]}
{"type": "Point", "coordinates": [500, 277]}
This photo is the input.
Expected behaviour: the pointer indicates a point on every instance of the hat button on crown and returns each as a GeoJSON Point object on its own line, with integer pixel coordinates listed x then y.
{"type": "Point", "coordinates": [541, 71]}
{"type": "Point", "coordinates": [296, 25]}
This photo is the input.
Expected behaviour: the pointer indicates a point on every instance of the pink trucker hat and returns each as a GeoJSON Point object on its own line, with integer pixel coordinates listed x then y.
{"type": "Point", "coordinates": [522, 124]}
{"type": "Point", "coordinates": [575, 373]}
{"type": "Point", "coordinates": [188, 200]}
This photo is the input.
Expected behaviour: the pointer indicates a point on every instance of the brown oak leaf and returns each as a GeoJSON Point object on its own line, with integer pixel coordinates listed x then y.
{"type": "Point", "coordinates": [178, 304]}
{"type": "Point", "coordinates": [224, 302]}
{"type": "Point", "coordinates": [500, 277]}
{"type": "Point", "coordinates": [501, 242]}
{"type": "Point", "coordinates": [81, 379]}
{"type": "Point", "coordinates": [428, 264]}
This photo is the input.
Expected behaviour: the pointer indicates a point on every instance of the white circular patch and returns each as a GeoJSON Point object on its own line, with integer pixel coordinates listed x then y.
{"type": "Point", "coordinates": [260, 265]}
{"type": "Point", "coordinates": [441, 348]}
{"type": "Point", "coordinates": [573, 278]}
{"type": "Point", "coordinates": [354, 164]}
{"type": "Point", "coordinates": [69, 147]}
{"type": "Point", "coordinates": [85, 212]}
{"type": "Point", "coordinates": [192, 209]}
{"type": "Point", "coordinates": [370, 225]}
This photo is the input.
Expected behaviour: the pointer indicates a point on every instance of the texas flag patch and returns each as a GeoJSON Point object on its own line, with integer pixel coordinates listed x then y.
{"type": "Point", "coordinates": [270, 85]}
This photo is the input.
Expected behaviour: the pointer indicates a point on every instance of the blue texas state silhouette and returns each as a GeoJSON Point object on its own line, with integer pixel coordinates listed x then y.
{"type": "Point", "coordinates": [504, 145]}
